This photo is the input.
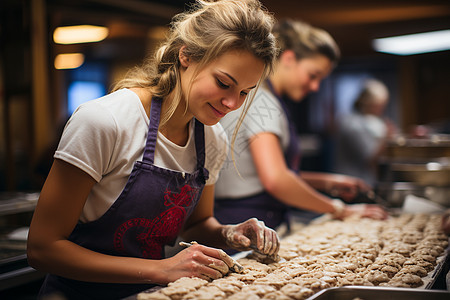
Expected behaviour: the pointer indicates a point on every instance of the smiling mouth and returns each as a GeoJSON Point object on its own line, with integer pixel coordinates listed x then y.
{"type": "Point", "coordinates": [217, 112]}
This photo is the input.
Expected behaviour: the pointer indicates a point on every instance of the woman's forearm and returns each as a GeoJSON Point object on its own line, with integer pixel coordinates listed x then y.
{"type": "Point", "coordinates": [292, 190]}
{"type": "Point", "coordinates": [69, 260]}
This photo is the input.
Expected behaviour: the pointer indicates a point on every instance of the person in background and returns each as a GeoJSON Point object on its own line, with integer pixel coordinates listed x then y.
{"type": "Point", "coordinates": [136, 168]}
{"type": "Point", "coordinates": [361, 135]}
{"type": "Point", "coordinates": [264, 178]}
{"type": "Point", "coordinates": [446, 222]}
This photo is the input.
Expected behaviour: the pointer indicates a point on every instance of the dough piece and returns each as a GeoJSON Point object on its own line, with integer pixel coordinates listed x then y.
{"type": "Point", "coordinates": [396, 258]}
{"type": "Point", "coordinates": [182, 286]}
{"type": "Point", "coordinates": [338, 268]}
{"type": "Point", "coordinates": [376, 277]}
{"type": "Point", "coordinates": [330, 280]}
{"type": "Point", "coordinates": [425, 255]}
{"type": "Point", "coordinates": [414, 269]}
{"type": "Point", "coordinates": [228, 285]}
{"type": "Point", "coordinates": [419, 262]}
{"type": "Point", "coordinates": [243, 296]}
{"type": "Point", "coordinates": [277, 295]}
{"type": "Point", "coordinates": [294, 271]}
{"type": "Point", "coordinates": [296, 291]}
{"type": "Point", "coordinates": [314, 284]}
{"type": "Point", "coordinates": [152, 296]}
{"type": "Point", "coordinates": [258, 289]}
{"type": "Point", "coordinates": [276, 279]}
{"type": "Point", "coordinates": [430, 246]}
{"type": "Point", "coordinates": [206, 293]}
{"type": "Point", "coordinates": [405, 280]}
{"type": "Point", "coordinates": [390, 271]}
{"type": "Point", "coordinates": [248, 276]}
{"type": "Point", "coordinates": [254, 265]}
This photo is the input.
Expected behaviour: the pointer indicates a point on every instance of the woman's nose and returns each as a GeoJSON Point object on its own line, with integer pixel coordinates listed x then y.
{"type": "Point", "coordinates": [232, 102]}
{"type": "Point", "coordinates": [315, 85]}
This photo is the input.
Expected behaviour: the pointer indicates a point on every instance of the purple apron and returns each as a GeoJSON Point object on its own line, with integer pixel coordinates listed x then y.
{"type": "Point", "coordinates": [262, 206]}
{"type": "Point", "coordinates": [149, 214]}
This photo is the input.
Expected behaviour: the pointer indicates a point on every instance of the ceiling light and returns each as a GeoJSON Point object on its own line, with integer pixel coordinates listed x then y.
{"type": "Point", "coordinates": [79, 34]}
{"type": "Point", "coordinates": [69, 61]}
{"type": "Point", "coordinates": [414, 43]}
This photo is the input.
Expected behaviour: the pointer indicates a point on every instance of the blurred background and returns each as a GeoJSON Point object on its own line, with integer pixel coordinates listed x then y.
{"type": "Point", "coordinates": [40, 87]}
{"type": "Point", "coordinates": [37, 96]}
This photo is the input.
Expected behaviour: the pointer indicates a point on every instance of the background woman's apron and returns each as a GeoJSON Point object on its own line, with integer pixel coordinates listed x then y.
{"type": "Point", "coordinates": [149, 214]}
{"type": "Point", "coordinates": [262, 206]}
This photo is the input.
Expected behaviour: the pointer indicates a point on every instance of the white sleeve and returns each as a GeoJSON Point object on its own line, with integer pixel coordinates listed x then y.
{"type": "Point", "coordinates": [216, 148]}
{"type": "Point", "coordinates": [88, 140]}
{"type": "Point", "coordinates": [264, 115]}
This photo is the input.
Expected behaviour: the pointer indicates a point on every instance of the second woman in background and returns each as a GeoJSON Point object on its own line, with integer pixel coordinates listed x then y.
{"type": "Point", "coordinates": [264, 173]}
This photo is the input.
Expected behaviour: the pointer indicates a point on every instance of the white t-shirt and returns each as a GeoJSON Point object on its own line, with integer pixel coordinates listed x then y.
{"type": "Point", "coordinates": [105, 136]}
{"type": "Point", "coordinates": [265, 114]}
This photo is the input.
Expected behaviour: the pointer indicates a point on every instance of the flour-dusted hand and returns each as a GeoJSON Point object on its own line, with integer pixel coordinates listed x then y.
{"type": "Point", "coordinates": [196, 261]}
{"type": "Point", "coordinates": [252, 234]}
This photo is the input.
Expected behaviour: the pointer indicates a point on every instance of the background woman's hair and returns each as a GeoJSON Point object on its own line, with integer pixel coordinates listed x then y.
{"type": "Point", "coordinates": [305, 40]}
{"type": "Point", "coordinates": [372, 92]}
{"type": "Point", "coordinates": [207, 30]}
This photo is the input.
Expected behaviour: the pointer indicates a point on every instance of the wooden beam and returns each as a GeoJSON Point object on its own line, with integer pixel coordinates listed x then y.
{"type": "Point", "coordinates": [40, 80]}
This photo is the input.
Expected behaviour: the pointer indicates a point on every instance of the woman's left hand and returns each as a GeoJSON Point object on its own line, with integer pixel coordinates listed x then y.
{"type": "Point", "coordinates": [371, 211]}
{"type": "Point", "coordinates": [252, 234]}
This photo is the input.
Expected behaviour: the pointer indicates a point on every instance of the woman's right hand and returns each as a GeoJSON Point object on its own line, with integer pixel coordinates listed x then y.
{"type": "Point", "coordinates": [197, 261]}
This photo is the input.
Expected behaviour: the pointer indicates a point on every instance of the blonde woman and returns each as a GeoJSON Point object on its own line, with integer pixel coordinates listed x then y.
{"type": "Point", "coordinates": [136, 168]}
{"type": "Point", "coordinates": [264, 173]}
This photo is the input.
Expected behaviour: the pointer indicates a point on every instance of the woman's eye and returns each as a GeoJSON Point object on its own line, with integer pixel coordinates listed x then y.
{"type": "Point", "coordinates": [222, 85]}
{"type": "Point", "coordinates": [244, 93]}
{"type": "Point", "coordinates": [313, 76]}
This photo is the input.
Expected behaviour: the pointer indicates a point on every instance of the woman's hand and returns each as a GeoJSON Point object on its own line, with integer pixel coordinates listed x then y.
{"type": "Point", "coordinates": [252, 234]}
{"type": "Point", "coordinates": [371, 211]}
{"type": "Point", "coordinates": [197, 261]}
{"type": "Point", "coordinates": [346, 187]}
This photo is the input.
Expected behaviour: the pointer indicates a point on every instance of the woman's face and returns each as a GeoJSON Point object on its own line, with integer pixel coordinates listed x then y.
{"type": "Point", "coordinates": [221, 86]}
{"type": "Point", "coordinates": [304, 76]}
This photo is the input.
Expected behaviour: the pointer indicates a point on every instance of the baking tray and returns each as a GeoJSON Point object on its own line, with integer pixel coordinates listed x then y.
{"type": "Point", "coordinates": [377, 293]}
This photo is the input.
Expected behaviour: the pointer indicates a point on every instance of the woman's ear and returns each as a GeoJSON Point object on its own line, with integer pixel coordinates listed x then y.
{"type": "Point", "coordinates": [288, 57]}
{"type": "Point", "coordinates": [184, 60]}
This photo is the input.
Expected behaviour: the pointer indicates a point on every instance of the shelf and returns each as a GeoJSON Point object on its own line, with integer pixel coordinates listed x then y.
{"type": "Point", "coordinates": [17, 202]}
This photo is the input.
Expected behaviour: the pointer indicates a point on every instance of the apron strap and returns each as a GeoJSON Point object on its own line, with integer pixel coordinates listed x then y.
{"type": "Point", "coordinates": [293, 152]}
{"type": "Point", "coordinates": [149, 150]}
{"type": "Point", "coordinates": [200, 143]}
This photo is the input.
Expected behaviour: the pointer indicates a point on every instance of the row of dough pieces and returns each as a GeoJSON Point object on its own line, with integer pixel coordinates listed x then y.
{"type": "Point", "coordinates": [397, 252]}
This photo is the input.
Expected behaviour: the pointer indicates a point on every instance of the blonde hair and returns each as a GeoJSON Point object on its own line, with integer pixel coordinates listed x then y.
{"type": "Point", "coordinates": [305, 40]}
{"type": "Point", "coordinates": [209, 29]}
